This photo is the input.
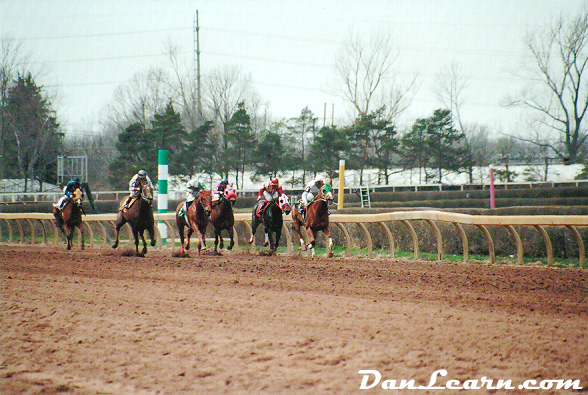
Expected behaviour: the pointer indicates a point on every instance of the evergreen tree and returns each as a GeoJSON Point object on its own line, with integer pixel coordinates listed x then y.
{"type": "Point", "coordinates": [168, 133]}
{"type": "Point", "coordinates": [134, 147]}
{"type": "Point", "coordinates": [32, 141]}
{"type": "Point", "coordinates": [434, 143]}
{"type": "Point", "coordinates": [367, 135]}
{"type": "Point", "coordinates": [268, 155]}
{"type": "Point", "coordinates": [199, 151]}
{"type": "Point", "coordinates": [301, 132]}
{"type": "Point", "coordinates": [330, 145]}
{"type": "Point", "coordinates": [241, 142]}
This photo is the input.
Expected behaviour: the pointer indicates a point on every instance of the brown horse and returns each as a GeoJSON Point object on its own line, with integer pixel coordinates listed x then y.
{"type": "Point", "coordinates": [70, 218]}
{"type": "Point", "coordinates": [317, 219]}
{"type": "Point", "coordinates": [197, 221]}
{"type": "Point", "coordinates": [139, 215]}
{"type": "Point", "coordinates": [222, 218]}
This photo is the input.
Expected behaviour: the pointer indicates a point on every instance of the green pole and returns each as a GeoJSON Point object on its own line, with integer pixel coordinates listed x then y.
{"type": "Point", "coordinates": [162, 200]}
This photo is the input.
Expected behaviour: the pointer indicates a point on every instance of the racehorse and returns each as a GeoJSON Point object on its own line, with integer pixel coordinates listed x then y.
{"type": "Point", "coordinates": [272, 221]}
{"type": "Point", "coordinates": [197, 219]}
{"type": "Point", "coordinates": [222, 218]}
{"type": "Point", "coordinates": [317, 219]}
{"type": "Point", "coordinates": [70, 218]}
{"type": "Point", "coordinates": [139, 215]}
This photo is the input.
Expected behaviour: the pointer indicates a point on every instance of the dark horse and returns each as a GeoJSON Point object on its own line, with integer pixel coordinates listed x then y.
{"type": "Point", "coordinates": [139, 215]}
{"type": "Point", "coordinates": [317, 219]}
{"type": "Point", "coordinates": [70, 218]}
{"type": "Point", "coordinates": [272, 221]}
{"type": "Point", "coordinates": [197, 221]}
{"type": "Point", "coordinates": [222, 218]}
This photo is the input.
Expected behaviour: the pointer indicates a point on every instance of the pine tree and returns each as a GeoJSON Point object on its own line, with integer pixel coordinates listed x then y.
{"type": "Point", "coordinates": [33, 140]}
{"type": "Point", "coordinates": [168, 133]}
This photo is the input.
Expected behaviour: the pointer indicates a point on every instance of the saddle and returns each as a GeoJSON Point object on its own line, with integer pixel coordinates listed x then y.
{"type": "Point", "coordinates": [129, 205]}
{"type": "Point", "coordinates": [261, 208]}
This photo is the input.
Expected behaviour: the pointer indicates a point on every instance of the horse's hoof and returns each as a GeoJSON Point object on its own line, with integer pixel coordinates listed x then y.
{"type": "Point", "coordinates": [114, 245]}
{"type": "Point", "coordinates": [266, 243]}
{"type": "Point", "coordinates": [251, 240]}
{"type": "Point", "coordinates": [153, 243]}
{"type": "Point", "coordinates": [230, 247]}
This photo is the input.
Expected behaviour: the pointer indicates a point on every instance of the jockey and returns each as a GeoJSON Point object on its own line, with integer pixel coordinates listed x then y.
{"type": "Point", "coordinates": [134, 185]}
{"type": "Point", "coordinates": [68, 190]}
{"type": "Point", "coordinates": [311, 190]}
{"type": "Point", "coordinates": [194, 187]}
{"type": "Point", "coordinates": [270, 190]}
{"type": "Point", "coordinates": [219, 190]}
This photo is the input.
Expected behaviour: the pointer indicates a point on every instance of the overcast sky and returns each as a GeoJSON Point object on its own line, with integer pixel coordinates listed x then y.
{"type": "Point", "coordinates": [88, 48]}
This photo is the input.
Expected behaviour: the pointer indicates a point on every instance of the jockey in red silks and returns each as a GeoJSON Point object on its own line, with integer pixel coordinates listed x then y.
{"type": "Point", "coordinates": [270, 190]}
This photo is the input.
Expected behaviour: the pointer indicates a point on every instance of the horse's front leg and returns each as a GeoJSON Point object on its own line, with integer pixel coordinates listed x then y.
{"type": "Point", "coordinates": [120, 221]}
{"type": "Point", "coordinates": [254, 224]}
{"type": "Point", "coordinates": [82, 236]}
{"type": "Point", "coordinates": [151, 231]}
{"type": "Point", "coordinates": [298, 232]}
{"type": "Point", "coordinates": [144, 251]}
{"type": "Point", "coordinates": [267, 240]}
{"type": "Point", "coordinates": [181, 232]}
{"type": "Point", "coordinates": [232, 243]}
{"type": "Point", "coordinates": [190, 231]}
{"type": "Point", "coordinates": [330, 247]}
{"type": "Point", "coordinates": [216, 241]}
{"type": "Point", "coordinates": [277, 240]}
{"type": "Point", "coordinates": [69, 237]}
{"type": "Point", "coordinates": [136, 236]}
{"type": "Point", "coordinates": [312, 240]}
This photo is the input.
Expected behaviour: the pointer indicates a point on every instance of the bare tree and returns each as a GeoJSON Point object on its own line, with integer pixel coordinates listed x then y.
{"type": "Point", "coordinates": [137, 101]}
{"type": "Point", "coordinates": [364, 77]}
{"type": "Point", "coordinates": [449, 87]}
{"type": "Point", "coordinates": [185, 88]}
{"type": "Point", "coordinates": [558, 88]}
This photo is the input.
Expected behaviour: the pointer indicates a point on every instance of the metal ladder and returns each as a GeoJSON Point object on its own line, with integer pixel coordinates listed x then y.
{"type": "Point", "coordinates": [364, 195]}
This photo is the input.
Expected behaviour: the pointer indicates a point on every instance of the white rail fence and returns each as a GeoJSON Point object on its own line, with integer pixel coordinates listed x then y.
{"type": "Point", "coordinates": [35, 228]}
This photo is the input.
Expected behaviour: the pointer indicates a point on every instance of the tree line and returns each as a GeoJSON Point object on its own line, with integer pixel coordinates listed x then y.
{"type": "Point", "coordinates": [233, 132]}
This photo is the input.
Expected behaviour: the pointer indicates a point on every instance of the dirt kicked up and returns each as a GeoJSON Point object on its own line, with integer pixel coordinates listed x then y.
{"type": "Point", "coordinates": [97, 322]}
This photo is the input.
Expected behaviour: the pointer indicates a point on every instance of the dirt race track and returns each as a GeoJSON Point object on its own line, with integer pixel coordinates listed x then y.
{"type": "Point", "coordinates": [98, 322]}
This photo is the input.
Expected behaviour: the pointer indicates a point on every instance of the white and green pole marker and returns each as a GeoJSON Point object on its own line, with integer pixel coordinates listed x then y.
{"type": "Point", "coordinates": [162, 199]}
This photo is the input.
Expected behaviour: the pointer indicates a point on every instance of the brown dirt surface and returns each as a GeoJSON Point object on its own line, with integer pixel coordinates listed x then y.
{"type": "Point", "coordinates": [98, 322]}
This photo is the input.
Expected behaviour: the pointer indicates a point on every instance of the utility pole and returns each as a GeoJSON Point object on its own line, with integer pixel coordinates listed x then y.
{"type": "Point", "coordinates": [197, 62]}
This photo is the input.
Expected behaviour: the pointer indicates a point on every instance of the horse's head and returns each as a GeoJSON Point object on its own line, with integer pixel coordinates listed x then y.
{"type": "Point", "coordinates": [78, 196]}
{"type": "Point", "coordinates": [146, 190]}
{"type": "Point", "coordinates": [205, 199]}
{"type": "Point", "coordinates": [328, 192]}
{"type": "Point", "coordinates": [284, 203]}
{"type": "Point", "coordinates": [231, 196]}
